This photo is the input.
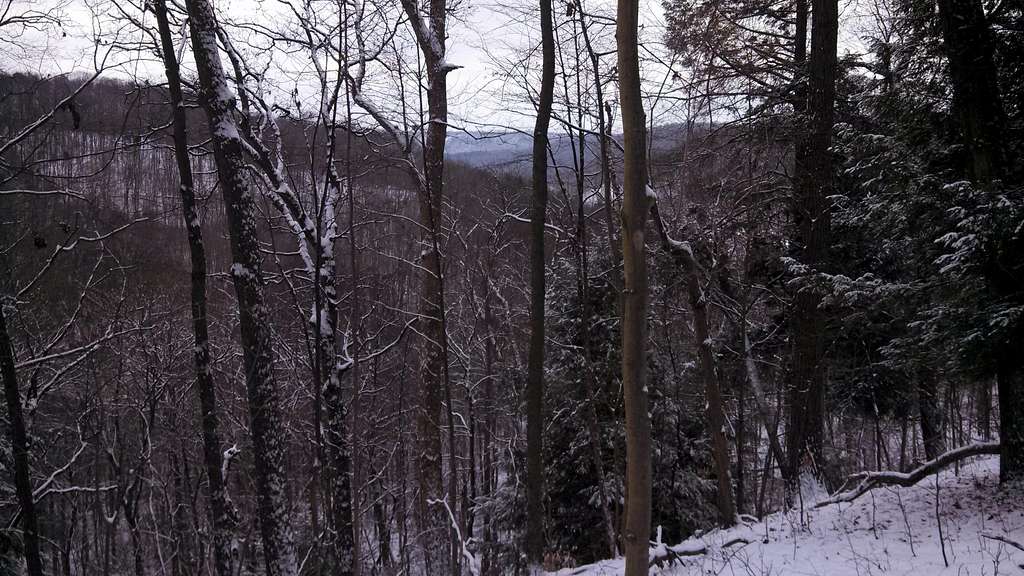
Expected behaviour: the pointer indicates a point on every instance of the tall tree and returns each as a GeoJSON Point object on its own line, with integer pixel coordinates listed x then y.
{"type": "Point", "coordinates": [246, 272]}
{"type": "Point", "coordinates": [535, 368]}
{"type": "Point", "coordinates": [20, 449]}
{"type": "Point", "coordinates": [812, 188]}
{"type": "Point", "coordinates": [635, 207]}
{"type": "Point", "coordinates": [970, 47]}
{"type": "Point", "coordinates": [221, 517]}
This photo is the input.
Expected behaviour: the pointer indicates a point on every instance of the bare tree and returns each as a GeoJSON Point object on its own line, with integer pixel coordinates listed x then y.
{"type": "Point", "coordinates": [535, 368]}
{"type": "Point", "coordinates": [239, 203]}
{"type": "Point", "coordinates": [635, 207]}
{"type": "Point", "coordinates": [220, 508]}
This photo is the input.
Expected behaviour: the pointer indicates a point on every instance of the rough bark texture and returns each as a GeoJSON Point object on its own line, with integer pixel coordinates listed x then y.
{"type": "Point", "coordinates": [342, 540]}
{"type": "Point", "coordinates": [263, 395]}
{"type": "Point", "coordinates": [813, 186]}
{"type": "Point", "coordinates": [19, 449]}
{"type": "Point", "coordinates": [433, 370]}
{"type": "Point", "coordinates": [221, 516]}
{"type": "Point", "coordinates": [535, 368]}
{"type": "Point", "coordinates": [635, 206]}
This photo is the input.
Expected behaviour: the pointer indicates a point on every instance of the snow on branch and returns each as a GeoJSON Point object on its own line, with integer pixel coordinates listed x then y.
{"type": "Point", "coordinates": [858, 484]}
{"type": "Point", "coordinates": [679, 250]}
{"type": "Point", "coordinates": [1003, 539]}
{"type": "Point", "coordinates": [471, 563]}
{"type": "Point", "coordinates": [662, 555]}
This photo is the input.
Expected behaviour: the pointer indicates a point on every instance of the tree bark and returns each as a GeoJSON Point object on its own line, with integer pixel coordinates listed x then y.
{"type": "Point", "coordinates": [635, 206]}
{"type": "Point", "coordinates": [263, 395]}
{"type": "Point", "coordinates": [535, 361]}
{"type": "Point", "coordinates": [1010, 384]}
{"type": "Point", "coordinates": [813, 186]}
{"type": "Point", "coordinates": [20, 449]}
{"type": "Point", "coordinates": [682, 253]}
{"type": "Point", "coordinates": [431, 36]}
{"type": "Point", "coordinates": [969, 45]}
{"type": "Point", "coordinates": [221, 517]}
{"type": "Point", "coordinates": [931, 417]}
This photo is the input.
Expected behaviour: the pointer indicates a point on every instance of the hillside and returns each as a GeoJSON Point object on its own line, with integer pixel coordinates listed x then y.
{"type": "Point", "coordinates": [887, 531]}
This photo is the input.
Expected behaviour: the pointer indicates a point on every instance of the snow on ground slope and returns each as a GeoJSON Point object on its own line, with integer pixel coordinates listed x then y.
{"type": "Point", "coordinates": [886, 531]}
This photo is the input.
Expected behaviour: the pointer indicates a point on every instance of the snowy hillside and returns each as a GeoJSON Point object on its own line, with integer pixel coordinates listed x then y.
{"type": "Point", "coordinates": [886, 531]}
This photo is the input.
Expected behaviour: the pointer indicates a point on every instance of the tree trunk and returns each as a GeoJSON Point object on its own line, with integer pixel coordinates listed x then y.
{"type": "Point", "coordinates": [240, 209]}
{"type": "Point", "coordinates": [19, 448]}
{"type": "Point", "coordinates": [433, 368]}
{"type": "Point", "coordinates": [487, 564]}
{"type": "Point", "coordinates": [741, 440]}
{"type": "Point", "coordinates": [983, 407]}
{"type": "Point", "coordinates": [635, 206]}
{"type": "Point", "coordinates": [813, 186]}
{"type": "Point", "coordinates": [221, 517]}
{"type": "Point", "coordinates": [931, 417]}
{"type": "Point", "coordinates": [535, 368]}
{"type": "Point", "coordinates": [1010, 382]}
{"type": "Point", "coordinates": [713, 395]}
{"type": "Point", "coordinates": [969, 45]}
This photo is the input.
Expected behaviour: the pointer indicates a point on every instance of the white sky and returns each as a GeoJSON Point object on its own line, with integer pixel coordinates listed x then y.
{"type": "Point", "coordinates": [480, 31]}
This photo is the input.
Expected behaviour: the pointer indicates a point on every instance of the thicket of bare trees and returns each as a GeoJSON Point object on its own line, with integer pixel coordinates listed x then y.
{"type": "Point", "coordinates": [254, 319]}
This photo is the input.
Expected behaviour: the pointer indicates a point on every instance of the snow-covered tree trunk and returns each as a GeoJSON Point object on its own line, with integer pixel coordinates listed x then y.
{"type": "Point", "coordinates": [258, 358]}
{"type": "Point", "coordinates": [221, 516]}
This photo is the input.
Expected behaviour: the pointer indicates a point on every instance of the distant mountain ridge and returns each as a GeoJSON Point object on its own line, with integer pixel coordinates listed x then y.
{"type": "Point", "coordinates": [512, 150]}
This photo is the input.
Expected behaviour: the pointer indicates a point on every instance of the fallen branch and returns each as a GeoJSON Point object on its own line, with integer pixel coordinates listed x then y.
{"type": "Point", "coordinates": [662, 556]}
{"type": "Point", "coordinates": [1004, 540]}
{"type": "Point", "coordinates": [860, 483]}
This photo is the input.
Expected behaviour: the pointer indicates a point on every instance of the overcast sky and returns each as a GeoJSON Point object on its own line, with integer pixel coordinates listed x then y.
{"type": "Point", "coordinates": [480, 32]}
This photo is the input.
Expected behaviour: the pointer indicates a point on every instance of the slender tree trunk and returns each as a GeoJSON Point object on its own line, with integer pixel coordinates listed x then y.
{"type": "Point", "coordinates": [239, 204]}
{"type": "Point", "coordinates": [713, 395]}
{"type": "Point", "coordinates": [741, 440]}
{"type": "Point", "coordinates": [604, 127]}
{"type": "Point", "coordinates": [487, 564]}
{"type": "Point", "coordinates": [931, 416]}
{"type": "Point", "coordinates": [812, 221]}
{"type": "Point", "coordinates": [433, 369]}
{"type": "Point", "coordinates": [20, 448]}
{"type": "Point", "coordinates": [221, 517]}
{"type": "Point", "coordinates": [635, 206]}
{"type": "Point", "coordinates": [535, 368]}
{"type": "Point", "coordinates": [983, 408]}
{"type": "Point", "coordinates": [342, 540]}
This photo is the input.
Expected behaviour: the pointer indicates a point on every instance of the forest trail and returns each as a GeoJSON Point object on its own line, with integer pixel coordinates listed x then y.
{"type": "Point", "coordinates": [887, 531]}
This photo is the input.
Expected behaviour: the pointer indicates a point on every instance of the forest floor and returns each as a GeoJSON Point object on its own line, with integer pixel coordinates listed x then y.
{"type": "Point", "coordinates": [886, 531]}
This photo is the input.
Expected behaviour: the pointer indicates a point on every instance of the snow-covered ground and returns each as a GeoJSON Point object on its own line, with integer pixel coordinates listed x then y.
{"type": "Point", "coordinates": [886, 531]}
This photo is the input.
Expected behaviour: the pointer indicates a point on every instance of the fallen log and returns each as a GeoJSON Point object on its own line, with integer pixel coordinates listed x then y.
{"type": "Point", "coordinates": [858, 484]}
{"type": "Point", "coordinates": [668, 555]}
{"type": "Point", "coordinates": [1004, 540]}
